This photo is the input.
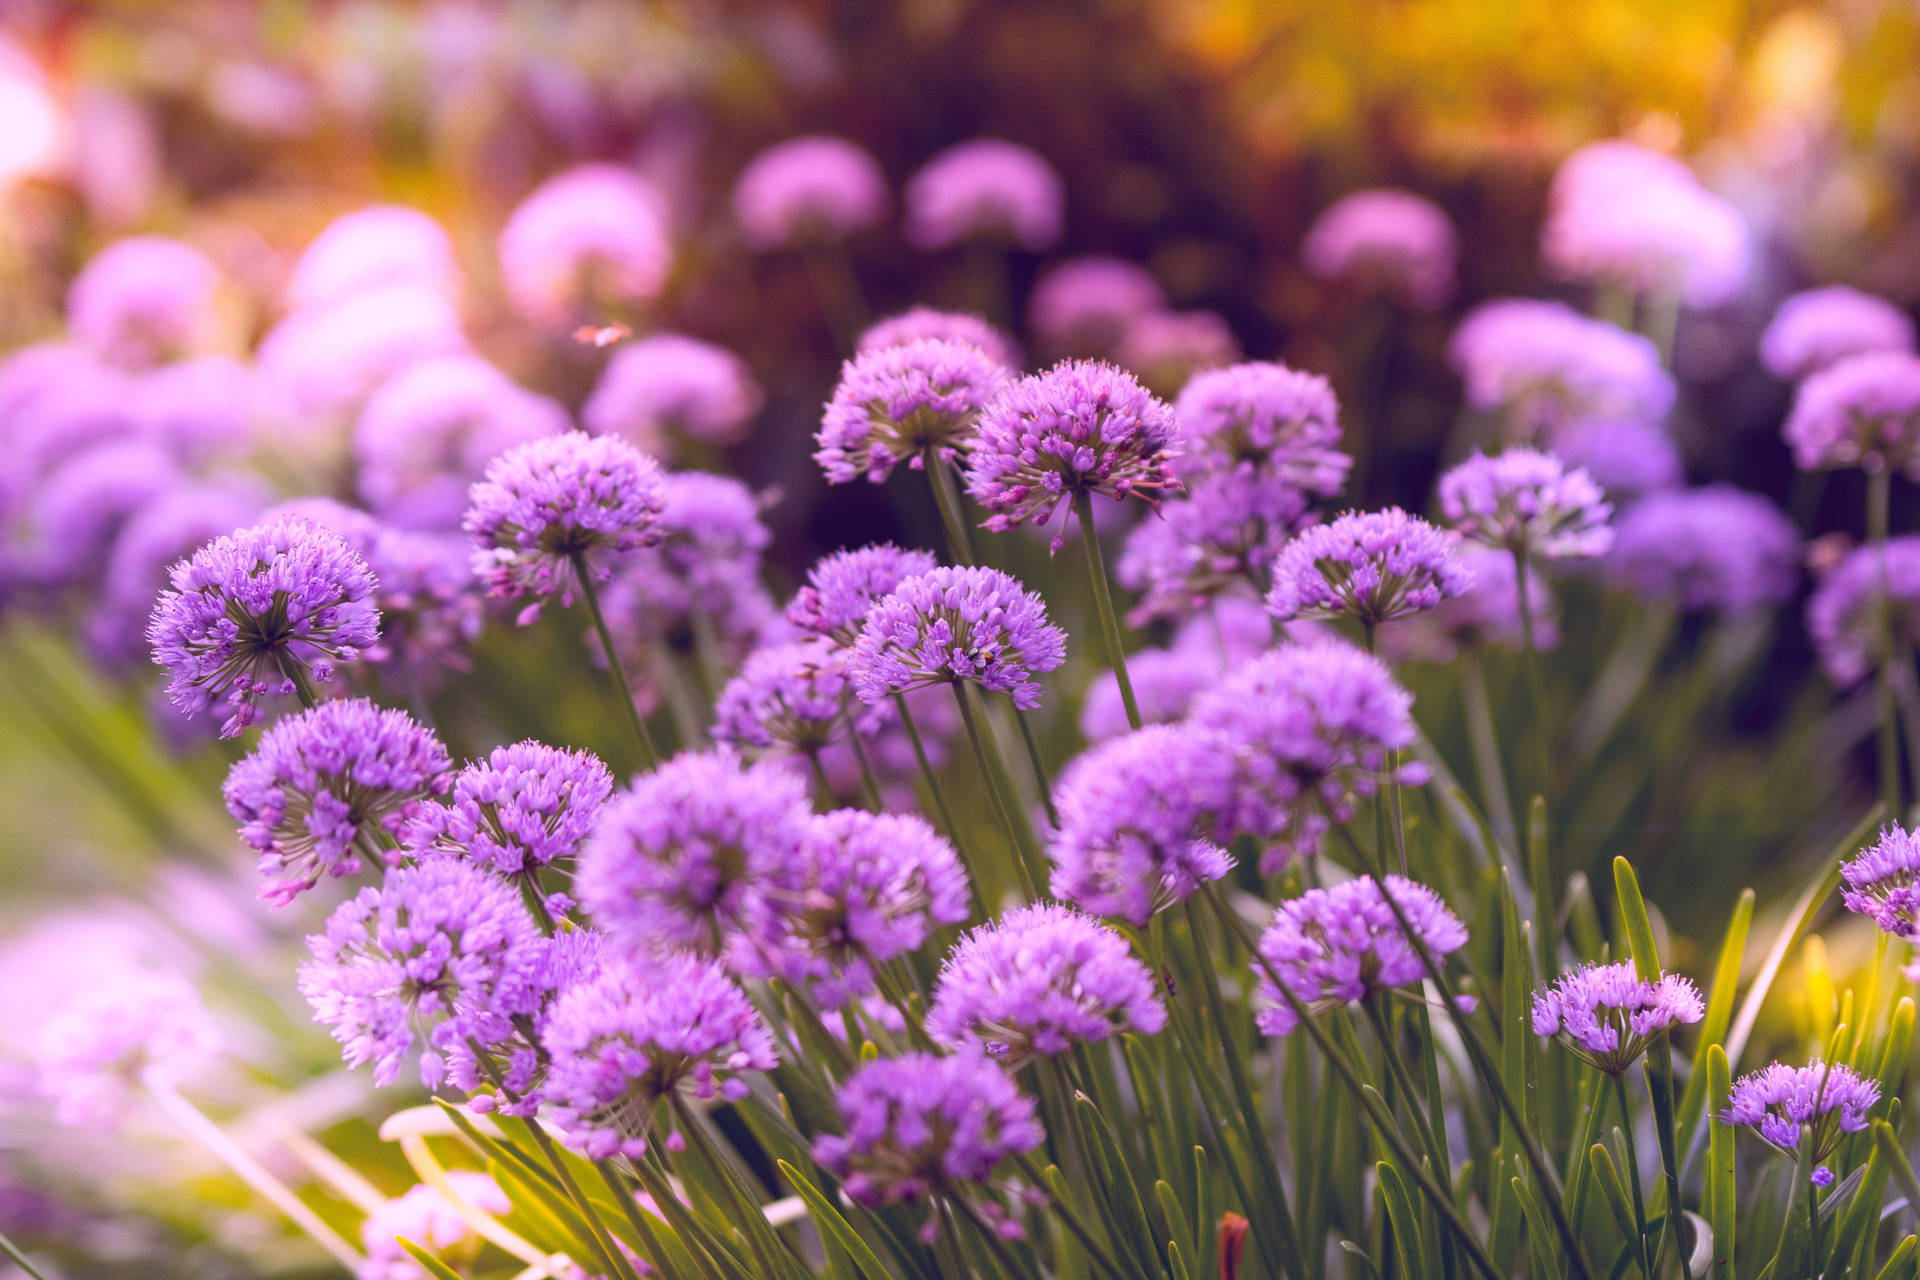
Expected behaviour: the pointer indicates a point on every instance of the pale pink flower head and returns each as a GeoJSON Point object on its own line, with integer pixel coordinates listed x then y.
{"type": "Point", "coordinates": [143, 300]}
{"type": "Point", "coordinates": [815, 189]}
{"type": "Point", "coordinates": [1385, 241]}
{"type": "Point", "coordinates": [380, 245]}
{"type": "Point", "coordinates": [988, 188]}
{"type": "Point", "coordinates": [593, 235]}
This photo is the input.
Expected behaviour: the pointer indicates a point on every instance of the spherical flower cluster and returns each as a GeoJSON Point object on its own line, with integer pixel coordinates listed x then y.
{"type": "Point", "coordinates": [1844, 612]}
{"type": "Point", "coordinates": [199, 410]}
{"type": "Point", "coordinates": [983, 188]}
{"type": "Point", "coordinates": [1487, 614]}
{"type": "Point", "coordinates": [371, 248]}
{"type": "Point", "coordinates": [1715, 548]}
{"type": "Point", "coordinates": [1541, 363]}
{"type": "Point", "coordinates": [1820, 327]}
{"type": "Point", "coordinates": [1389, 241]}
{"type": "Point", "coordinates": [550, 501]}
{"type": "Point", "coordinates": [632, 1038]}
{"type": "Point", "coordinates": [1264, 418]}
{"type": "Point", "coordinates": [597, 233]}
{"type": "Point", "coordinates": [426, 1218]}
{"type": "Point", "coordinates": [1781, 1102]}
{"type": "Point", "coordinates": [916, 323]}
{"type": "Point", "coordinates": [808, 190]}
{"type": "Point", "coordinates": [1222, 535]}
{"type": "Point", "coordinates": [92, 1057]}
{"type": "Point", "coordinates": [843, 586]}
{"type": "Point", "coordinates": [902, 403]}
{"type": "Point", "coordinates": [159, 533]}
{"type": "Point", "coordinates": [1336, 946]}
{"type": "Point", "coordinates": [1627, 459]}
{"type": "Point", "coordinates": [1646, 227]}
{"type": "Point", "coordinates": [1527, 501]}
{"type": "Point", "coordinates": [668, 385]}
{"type": "Point", "coordinates": [1879, 882]}
{"type": "Point", "coordinates": [957, 624]}
{"type": "Point", "coordinates": [526, 806]}
{"type": "Point", "coordinates": [1373, 566]}
{"type": "Point", "coordinates": [76, 511]}
{"type": "Point", "coordinates": [1167, 348]}
{"type": "Point", "coordinates": [1082, 306]}
{"type": "Point", "coordinates": [1863, 411]}
{"type": "Point", "coordinates": [329, 788]}
{"type": "Point", "coordinates": [1165, 683]}
{"type": "Point", "coordinates": [430, 605]}
{"type": "Point", "coordinates": [791, 697]}
{"type": "Point", "coordinates": [143, 300]}
{"type": "Point", "coordinates": [319, 365]}
{"type": "Point", "coordinates": [259, 612]}
{"type": "Point", "coordinates": [1608, 1015]}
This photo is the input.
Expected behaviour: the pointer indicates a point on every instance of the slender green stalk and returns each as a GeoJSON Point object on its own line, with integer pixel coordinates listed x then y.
{"type": "Point", "coordinates": [932, 780]}
{"type": "Point", "coordinates": [1486, 755]}
{"type": "Point", "coordinates": [1536, 685]}
{"type": "Point", "coordinates": [821, 780]}
{"type": "Point", "coordinates": [12, 1251]}
{"type": "Point", "coordinates": [1016, 850]}
{"type": "Point", "coordinates": [740, 1201]}
{"type": "Point", "coordinates": [1039, 767]}
{"type": "Point", "coordinates": [624, 695]}
{"type": "Point", "coordinates": [946, 496]}
{"type": "Point", "coordinates": [1589, 1134]}
{"type": "Point", "coordinates": [635, 1218]}
{"type": "Point", "coordinates": [1402, 1081]}
{"type": "Point", "coordinates": [1070, 1217]}
{"type": "Point", "coordinates": [1632, 1171]}
{"type": "Point", "coordinates": [1103, 602]}
{"type": "Point", "coordinates": [1879, 485]}
{"type": "Point", "coordinates": [868, 784]}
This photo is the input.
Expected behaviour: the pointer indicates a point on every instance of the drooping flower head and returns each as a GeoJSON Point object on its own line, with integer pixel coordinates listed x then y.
{"type": "Point", "coordinates": [916, 323]}
{"type": "Point", "coordinates": [1844, 613]}
{"type": "Point", "coordinates": [1715, 549]}
{"type": "Point", "coordinates": [258, 612]}
{"type": "Point", "coordinates": [1082, 306]}
{"type": "Point", "coordinates": [1266, 419]}
{"type": "Point", "coordinates": [1879, 882]}
{"type": "Point", "coordinates": [425, 1217]}
{"type": "Point", "coordinates": [813, 189]}
{"type": "Point", "coordinates": [843, 586]}
{"type": "Point", "coordinates": [592, 235]}
{"type": "Point", "coordinates": [1165, 683]}
{"type": "Point", "coordinates": [1539, 363]}
{"type": "Point", "coordinates": [985, 188]}
{"type": "Point", "coordinates": [666, 385]}
{"type": "Point", "coordinates": [369, 248]}
{"type": "Point", "coordinates": [957, 624]}
{"type": "Point", "coordinates": [317, 367]}
{"type": "Point", "coordinates": [524, 807]}
{"type": "Point", "coordinates": [92, 1056]}
{"type": "Point", "coordinates": [1780, 1103]}
{"type": "Point", "coordinates": [1372, 566]}
{"type": "Point", "coordinates": [788, 697]}
{"type": "Point", "coordinates": [1862, 411]}
{"type": "Point", "coordinates": [1528, 501]}
{"type": "Point", "coordinates": [1385, 241]}
{"type": "Point", "coordinates": [1647, 228]}
{"type": "Point", "coordinates": [1336, 946]}
{"type": "Point", "coordinates": [1221, 535]}
{"type": "Point", "coordinates": [1608, 1015]}
{"type": "Point", "coordinates": [900, 404]}
{"type": "Point", "coordinates": [144, 300]}
{"type": "Point", "coordinates": [1627, 459]}
{"type": "Point", "coordinates": [1166, 349]}
{"type": "Point", "coordinates": [1820, 327]}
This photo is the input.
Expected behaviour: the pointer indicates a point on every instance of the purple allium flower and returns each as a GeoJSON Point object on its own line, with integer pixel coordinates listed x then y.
{"type": "Point", "coordinates": [552, 499]}
{"type": "Point", "coordinates": [319, 365]}
{"type": "Point", "coordinates": [1311, 728]}
{"type": "Point", "coordinates": [1080, 426]}
{"type": "Point", "coordinates": [1487, 614]}
{"type": "Point", "coordinates": [428, 433]}
{"type": "Point", "coordinates": [698, 849]}
{"type": "Point", "coordinates": [916, 323]}
{"type": "Point", "coordinates": [1843, 615]}
{"type": "Point", "coordinates": [1541, 363]}
{"type": "Point", "coordinates": [813, 189]}
{"type": "Point", "coordinates": [1820, 327]}
{"type": "Point", "coordinates": [430, 604]}
{"type": "Point", "coordinates": [900, 404]}
{"type": "Point", "coordinates": [957, 624]}
{"type": "Point", "coordinates": [198, 410]}
{"type": "Point", "coordinates": [1608, 1016]}
{"type": "Point", "coordinates": [788, 697]}
{"type": "Point", "coordinates": [1135, 816]}
{"type": "Point", "coordinates": [524, 807]}
{"type": "Point", "coordinates": [1386, 241]}
{"type": "Point", "coordinates": [1714, 548]}
{"type": "Point", "coordinates": [1650, 229]}
{"type": "Point", "coordinates": [78, 509]}
{"type": "Point", "coordinates": [371, 248]}
{"type": "Point", "coordinates": [259, 612]}
{"type": "Point", "coordinates": [329, 788]}
{"type": "Point", "coordinates": [1165, 683]}
{"type": "Point", "coordinates": [1373, 566]}
{"type": "Point", "coordinates": [633, 1037]}
{"type": "Point", "coordinates": [592, 235]}
{"type": "Point", "coordinates": [1862, 411]}
{"type": "Point", "coordinates": [1879, 882]}
{"type": "Point", "coordinates": [1627, 459]}
{"type": "Point", "coordinates": [667, 385]}
{"type": "Point", "coordinates": [1336, 946]}
{"type": "Point", "coordinates": [985, 187]}
{"type": "Point", "coordinates": [162, 531]}
{"type": "Point", "coordinates": [1222, 535]}
{"type": "Point", "coordinates": [92, 1056]}
{"type": "Point", "coordinates": [843, 586]}
{"type": "Point", "coordinates": [426, 1218]}
{"type": "Point", "coordinates": [1037, 981]}
{"type": "Point", "coordinates": [1527, 501]}
{"type": "Point", "coordinates": [1606, 167]}
{"type": "Point", "coordinates": [1781, 1102]}
{"type": "Point", "coordinates": [1082, 306]}
{"type": "Point", "coordinates": [441, 950]}
{"type": "Point", "coordinates": [1234, 629]}
{"type": "Point", "coordinates": [1265, 419]}
{"type": "Point", "coordinates": [1167, 348]}
{"type": "Point", "coordinates": [143, 300]}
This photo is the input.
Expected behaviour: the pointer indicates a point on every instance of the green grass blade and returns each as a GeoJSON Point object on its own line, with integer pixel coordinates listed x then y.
{"type": "Point", "coordinates": [1722, 1202]}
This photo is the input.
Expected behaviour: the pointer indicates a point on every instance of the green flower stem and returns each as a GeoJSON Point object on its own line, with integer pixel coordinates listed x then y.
{"type": "Point", "coordinates": [1589, 1134]}
{"type": "Point", "coordinates": [1536, 685]}
{"type": "Point", "coordinates": [739, 1200]}
{"type": "Point", "coordinates": [867, 781]}
{"type": "Point", "coordinates": [820, 779]}
{"type": "Point", "coordinates": [1070, 1218]}
{"type": "Point", "coordinates": [1632, 1173]}
{"type": "Point", "coordinates": [1039, 767]}
{"type": "Point", "coordinates": [1486, 755]}
{"type": "Point", "coordinates": [932, 780]}
{"type": "Point", "coordinates": [20, 1260]}
{"type": "Point", "coordinates": [636, 1219]}
{"type": "Point", "coordinates": [982, 745]}
{"type": "Point", "coordinates": [1879, 486]}
{"type": "Point", "coordinates": [649, 757]}
{"type": "Point", "coordinates": [1103, 602]}
{"type": "Point", "coordinates": [946, 496]}
{"type": "Point", "coordinates": [1397, 1070]}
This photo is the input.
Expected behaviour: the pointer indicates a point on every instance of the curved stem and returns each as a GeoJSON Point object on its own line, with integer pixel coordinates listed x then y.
{"type": "Point", "coordinates": [867, 781]}
{"type": "Point", "coordinates": [1039, 768]}
{"type": "Point", "coordinates": [1103, 602]}
{"type": "Point", "coordinates": [1001, 808]}
{"type": "Point", "coordinates": [649, 757]}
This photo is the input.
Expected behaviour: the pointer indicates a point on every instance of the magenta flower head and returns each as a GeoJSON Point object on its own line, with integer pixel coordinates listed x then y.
{"type": "Point", "coordinates": [1167, 348]}
{"type": "Point", "coordinates": [331, 788]}
{"type": "Point", "coordinates": [550, 501]}
{"type": "Point", "coordinates": [1780, 1103]}
{"type": "Point", "coordinates": [900, 404]}
{"type": "Point", "coordinates": [843, 586]}
{"type": "Point", "coordinates": [1879, 882]}
{"type": "Point", "coordinates": [665, 386]}
{"type": "Point", "coordinates": [1820, 327]}
{"type": "Point", "coordinates": [1337, 946]}
{"type": "Point", "coordinates": [1843, 615]}
{"type": "Point", "coordinates": [810, 190]}
{"type": "Point", "coordinates": [370, 248]}
{"type": "Point", "coordinates": [916, 323]}
{"type": "Point", "coordinates": [1165, 683]}
{"type": "Point", "coordinates": [144, 300]}
{"type": "Point", "coordinates": [428, 433]}
{"type": "Point", "coordinates": [1080, 427]}
{"type": "Point", "coordinates": [1263, 419]}
{"type": "Point", "coordinates": [261, 612]}
{"type": "Point", "coordinates": [1863, 411]}
{"type": "Point", "coordinates": [957, 624]}
{"type": "Point", "coordinates": [442, 950]}
{"type": "Point", "coordinates": [595, 235]}
{"type": "Point", "coordinates": [635, 1037]}
{"type": "Point", "coordinates": [319, 365]}
{"type": "Point", "coordinates": [1385, 241]}
{"type": "Point", "coordinates": [1607, 1015]}
{"type": "Point", "coordinates": [1541, 363]}
{"type": "Point", "coordinates": [1652, 231]}
{"type": "Point", "coordinates": [1712, 549]}
{"type": "Point", "coordinates": [1372, 566]}
{"type": "Point", "coordinates": [1137, 814]}
{"type": "Point", "coordinates": [985, 188]}
{"type": "Point", "coordinates": [93, 1056]}
{"type": "Point", "coordinates": [1221, 536]}
{"type": "Point", "coordinates": [1311, 728]}
{"type": "Point", "coordinates": [1528, 502]}
{"type": "Point", "coordinates": [698, 849]}
{"type": "Point", "coordinates": [1627, 459]}
{"type": "Point", "coordinates": [1082, 306]}
{"type": "Point", "coordinates": [790, 698]}
{"type": "Point", "coordinates": [524, 807]}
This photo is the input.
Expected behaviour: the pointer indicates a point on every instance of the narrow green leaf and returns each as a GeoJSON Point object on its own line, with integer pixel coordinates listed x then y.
{"type": "Point", "coordinates": [1888, 1145]}
{"type": "Point", "coordinates": [1353, 1250]}
{"type": "Point", "coordinates": [1900, 1261]}
{"type": "Point", "coordinates": [1583, 919]}
{"type": "Point", "coordinates": [553, 1222]}
{"type": "Point", "coordinates": [1403, 1217]}
{"type": "Point", "coordinates": [832, 1223]}
{"type": "Point", "coordinates": [1853, 1243]}
{"type": "Point", "coordinates": [1129, 1208]}
{"type": "Point", "coordinates": [1177, 1225]}
{"type": "Point", "coordinates": [1541, 1242]}
{"type": "Point", "coordinates": [434, 1267]}
{"type": "Point", "coordinates": [1726, 983]}
{"type": "Point", "coordinates": [1177, 1262]}
{"type": "Point", "coordinates": [1722, 1202]}
{"type": "Point", "coordinates": [1607, 1177]}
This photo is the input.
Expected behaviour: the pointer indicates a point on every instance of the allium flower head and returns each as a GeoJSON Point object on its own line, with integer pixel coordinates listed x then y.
{"type": "Point", "coordinates": [985, 187]}
{"type": "Point", "coordinates": [1137, 814]}
{"type": "Point", "coordinates": [1843, 614]}
{"type": "Point", "coordinates": [162, 531]}
{"type": "Point", "coordinates": [1221, 535]}
{"type": "Point", "coordinates": [1165, 683]}
{"type": "Point", "coordinates": [1266, 419]}
{"type": "Point", "coordinates": [1608, 1016]}
{"type": "Point", "coordinates": [916, 323]}
{"type": "Point", "coordinates": [1879, 882]}
{"type": "Point", "coordinates": [143, 300]}
{"type": "Point", "coordinates": [441, 953]}
{"type": "Point", "coordinates": [430, 604]}
{"type": "Point", "coordinates": [1862, 411]}
{"type": "Point", "coordinates": [93, 1055]}
{"type": "Point", "coordinates": [319, 365]}
{"type": "Point", "coordinates": [1820, 327]}
{"type": "Point", "coordinates": [1373, 566]}
{"type": "Point", "coordinates": [199, 410]}
{"type": "Point", "coordinates": [1525, 500]}
{"type": "Point", "coordinates": [78, 508]}
{"type": "Point", "coordinates": [1541, 363]}
{"type": "Point", "coordinates": [1082, 306]}
{"type": "Point", "coordinates": [1715, 548]}
{"type": "Point", "coordinates": [329, 788]}
{"type": "Point", "coordinates": [899, 404]}
{"type": "Point", "coordinates": [1336, 946]}
{"type": "Point", "coordinates": [369, 248]}
{"type": "Point", "coordinates": [843, 586]}
{"type": "Point", "coordinates": [1079, 427]}
{"type": "Point", "coordinates": [595, 234]}
{"type": "Point", "coordinates": [424, 1217]}
{"type": "Point", "coordinates": [666, 385]}
{"type": "Point", "coordinates": [634, 1037]}
{"type": "Point", "coordinates": [1781, 1102]}
{"type": "Point", "coordinates": [256, 612]}
{"type": "Point", "coordinates": [1392, 242]}
{"type": "Point", "coordinates": [1627, 459]}
{"type": "Point", "coordinates": [549, 500]}
{"type": "Point", "coordinates": [957, 624]}
{"type": "Point", "coordinates": [1651, 230]}
{"type": "Point", "coordinates": [1167, 348]}
{"type": "Point", "coordinates": [789, 697]}
{"type": "Point", "coordinates": [524, 807]}
{"type": "Point", "coordinates": [813, 189]}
